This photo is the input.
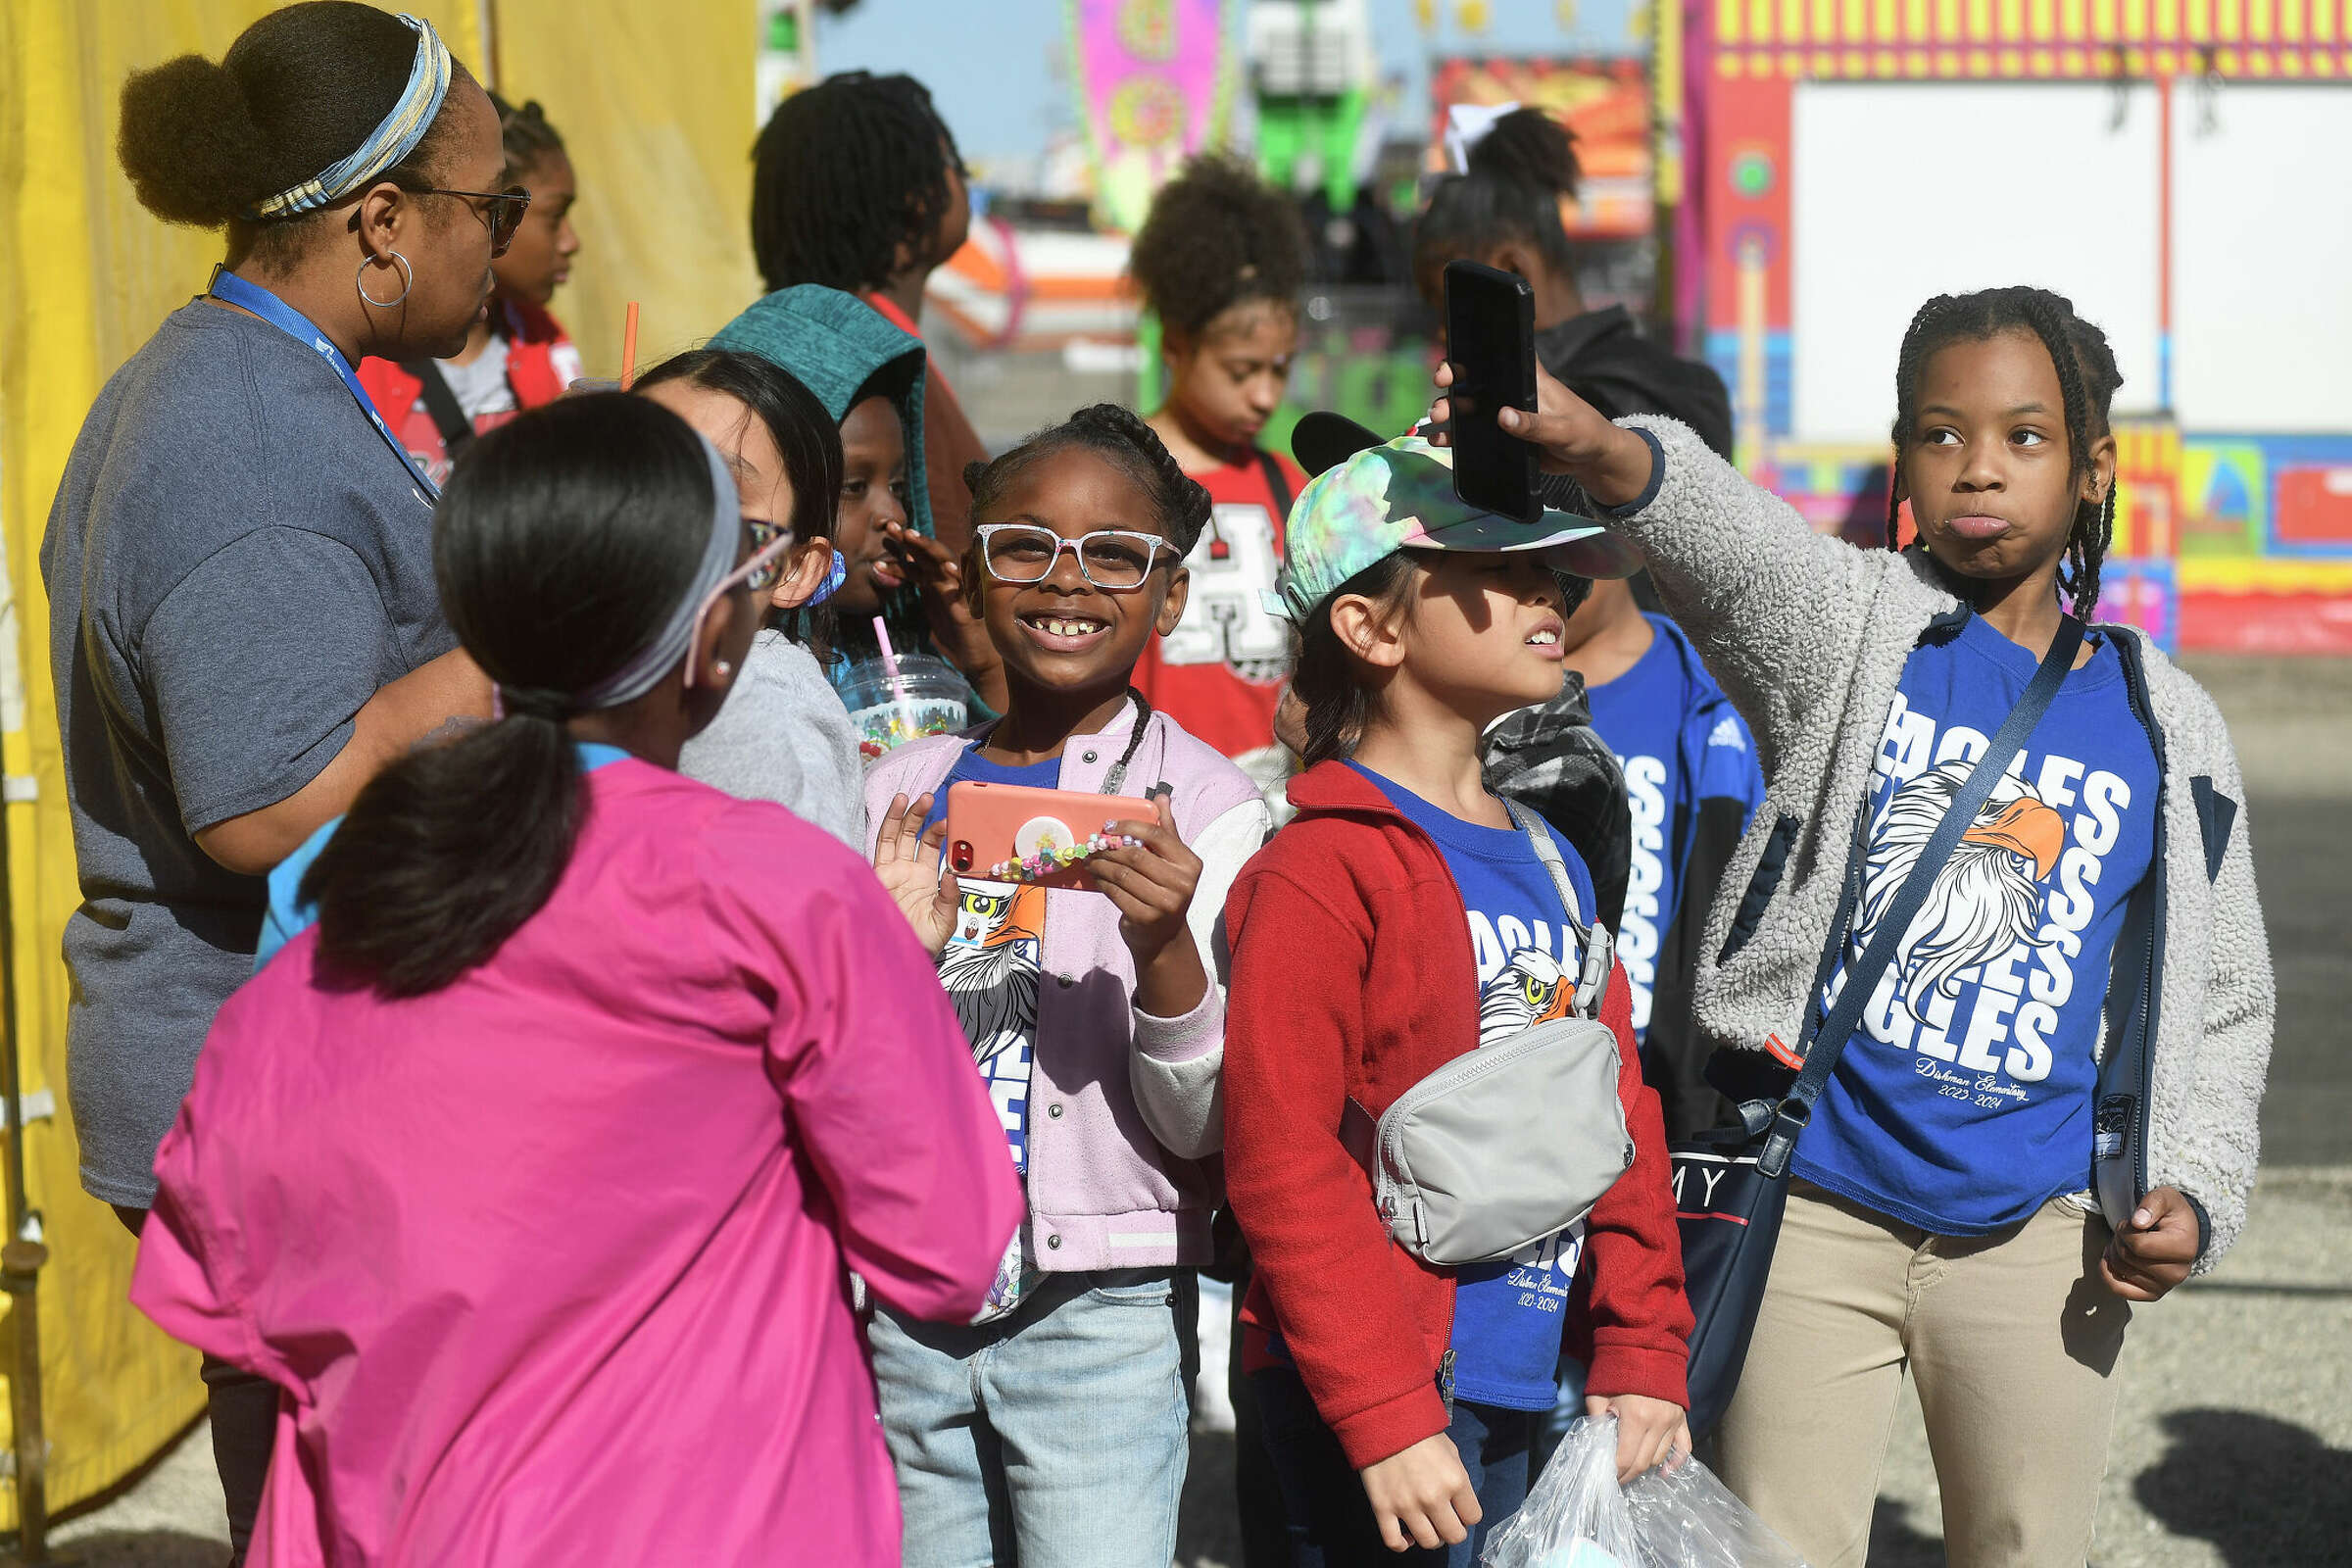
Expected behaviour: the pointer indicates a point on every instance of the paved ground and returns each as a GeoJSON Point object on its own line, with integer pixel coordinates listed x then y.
{"type": "Point", "coordinates": [2234, 1446]}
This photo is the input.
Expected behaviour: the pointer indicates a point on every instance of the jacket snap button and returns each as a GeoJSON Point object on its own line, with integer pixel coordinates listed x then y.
{"type": "Point", "coordinates": [1066, 980]}
{"type": "Point", "coordinates": [1090, 757]}
{"type": "Point", "coordinates": [1629, 1156]}
{"type": "Point", "coordinates": [1053, 1244]}
{"type": "Point", "coordinates": [1054, 1110]}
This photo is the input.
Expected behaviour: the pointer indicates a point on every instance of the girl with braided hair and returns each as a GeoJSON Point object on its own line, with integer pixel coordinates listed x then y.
{"type": "Point", "coordinates": [1221, 259]}
{"type": "Point", "coordinates": [1973, 1200]}
{"type": "Point", "coordinates": [857, 185]}
{"type": "Point", "coordinates": [1055, 1427]}
{"type": "Point", "coordinates": [517, 356]}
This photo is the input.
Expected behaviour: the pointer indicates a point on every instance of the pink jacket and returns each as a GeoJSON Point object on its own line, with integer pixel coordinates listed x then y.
{"type": "Point", "coordinates": [549, 1265]}
{"type": "Point", "coordinates": [1126, 1109]}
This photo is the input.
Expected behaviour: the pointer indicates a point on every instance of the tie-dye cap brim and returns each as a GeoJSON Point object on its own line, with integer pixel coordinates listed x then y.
{"type": "Point", "coordinates": [1400, 496]}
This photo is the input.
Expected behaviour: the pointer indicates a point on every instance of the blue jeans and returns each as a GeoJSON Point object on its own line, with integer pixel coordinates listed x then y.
{"type": "Point", "coordinates": [1055, 1438]}
{"type": "Point", "coordinates": [1330, 1518]}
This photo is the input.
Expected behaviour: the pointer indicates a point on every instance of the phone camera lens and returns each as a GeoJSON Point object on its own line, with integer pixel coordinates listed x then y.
{"type": "Point", "coordinates": [959, 855]}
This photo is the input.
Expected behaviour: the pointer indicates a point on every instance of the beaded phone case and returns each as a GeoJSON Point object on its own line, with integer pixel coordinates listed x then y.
{"type": "Point", "coordinates": [1014, 833]}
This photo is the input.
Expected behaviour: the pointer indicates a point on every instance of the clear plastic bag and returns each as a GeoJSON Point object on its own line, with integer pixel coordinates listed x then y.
{"type": "Point", "coordinates": [1577, 1516]}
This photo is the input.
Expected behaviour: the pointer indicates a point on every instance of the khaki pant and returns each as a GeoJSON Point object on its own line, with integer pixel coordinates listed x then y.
{"type": "Point", "coordinates": [2014, 1342]}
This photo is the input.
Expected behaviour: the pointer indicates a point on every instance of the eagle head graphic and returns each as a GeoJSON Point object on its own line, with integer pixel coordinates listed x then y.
{"type": "Point", "coordinates": [988, 969]}
{"type": "Point", "coordinates": [1531, 990]}
{"type": "Point", "coordinates": [1986, 899]}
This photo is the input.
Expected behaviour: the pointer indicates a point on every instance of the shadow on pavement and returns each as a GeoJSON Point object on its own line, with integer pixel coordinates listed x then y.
{"type": "Point", "coordinates": [137, 1549]}
{"type": "Point", "coordinates": [1894, 1544]}
{"type": "Point", "coordinates": [2266, 1492]}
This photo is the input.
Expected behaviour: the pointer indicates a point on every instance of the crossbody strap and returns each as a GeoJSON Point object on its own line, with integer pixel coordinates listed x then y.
{"type": "Point", "coordinates": [1278, 482]}
{"type": "Point", "coordinates": [1599, 948]}
{"type": "Point", "coordinates": [1862, 977]}
{"type": "Point", "coordinates": [448, 414]}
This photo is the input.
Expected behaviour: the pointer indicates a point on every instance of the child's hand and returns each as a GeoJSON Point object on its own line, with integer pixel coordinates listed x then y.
{"type": "Point", "coordinates": [1649, 1433]}
{"type": "Point", "coordinates": [1571, 437]}
{"type": "Point", "coordinates": [1422, 1496]}
{"type": "Point", "coordinates": [1151, 883]}
{"type": "Point", "coordinates": [2154, 1252]}
{"type": "Point", "coordinates": [906, 861]}
{"type": "Point", "coordinates": [961, 637]}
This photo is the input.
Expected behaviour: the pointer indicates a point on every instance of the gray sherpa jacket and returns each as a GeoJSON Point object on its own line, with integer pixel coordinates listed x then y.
{"type": "Point", "coordinates": [1808, 636]}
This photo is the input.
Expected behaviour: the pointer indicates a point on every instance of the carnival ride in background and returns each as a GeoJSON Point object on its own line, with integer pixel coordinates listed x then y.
{"type": "Point", "coordinates": [1757, 186]}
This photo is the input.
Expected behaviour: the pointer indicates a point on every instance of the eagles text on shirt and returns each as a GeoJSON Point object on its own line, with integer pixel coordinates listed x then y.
{"type": "Point", "coordinates": [1980, 978]}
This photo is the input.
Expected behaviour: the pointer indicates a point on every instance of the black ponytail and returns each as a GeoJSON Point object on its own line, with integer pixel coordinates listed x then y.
{"type": "Point", "coordinates": [562, 546]}
{"type": "Point", "coordinates": [2087, 379]}
{"type": "Point", "coordinates": [1519, 173]}
{"type": "Point", "coordinates": [298, 92]}
{"type": "Point", "coordinates": [1119, 434]}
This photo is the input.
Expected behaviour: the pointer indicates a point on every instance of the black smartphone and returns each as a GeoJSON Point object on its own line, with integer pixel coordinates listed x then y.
{"type": "Point", "coordinates": [1491, 342]}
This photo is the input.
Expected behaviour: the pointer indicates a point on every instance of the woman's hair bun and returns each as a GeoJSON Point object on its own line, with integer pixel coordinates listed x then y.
{"type": "Point", "coordinates": [1529, 146]}
{"type": "Point", "coordinates": [189, 143]}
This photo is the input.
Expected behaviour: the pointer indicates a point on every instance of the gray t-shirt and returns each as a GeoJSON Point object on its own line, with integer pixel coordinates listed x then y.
{"type": "Point", "coordinates": [236, 562]}
{"type": "Point", "coordinates": [783, 736]}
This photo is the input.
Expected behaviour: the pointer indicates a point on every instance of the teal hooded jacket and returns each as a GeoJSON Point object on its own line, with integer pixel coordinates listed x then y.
{"type": "Point", "coordinates": [843, 350]}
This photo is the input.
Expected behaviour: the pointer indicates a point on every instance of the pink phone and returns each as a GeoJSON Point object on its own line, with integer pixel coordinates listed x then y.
{"type": "Point", "coordinates": [1014, 833]}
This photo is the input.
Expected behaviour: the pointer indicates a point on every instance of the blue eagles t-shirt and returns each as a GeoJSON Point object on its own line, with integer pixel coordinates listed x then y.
{"type": "Point", "coordinates": [1963, 1103]}
{"type": "Point", "coordinates": [989, 965]}
{"type": "Point", "coordinates": [1680, 743]}
{"type": "Point", "coordinates": [1507, 1315]}
{"type": "Point", "coordinates": [286, 916]}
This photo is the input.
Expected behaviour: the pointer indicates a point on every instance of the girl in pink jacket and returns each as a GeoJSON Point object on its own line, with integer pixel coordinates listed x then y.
{"type": "Point", "coordinates": [531, 1171]}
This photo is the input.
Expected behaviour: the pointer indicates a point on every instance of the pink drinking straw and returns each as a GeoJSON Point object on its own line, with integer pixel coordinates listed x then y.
{"type": "Point", "coordinates": [898, 683]}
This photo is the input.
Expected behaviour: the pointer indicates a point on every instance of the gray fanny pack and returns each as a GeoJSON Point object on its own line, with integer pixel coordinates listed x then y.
{"type": "Point", "coordinates": [1514, 1142]}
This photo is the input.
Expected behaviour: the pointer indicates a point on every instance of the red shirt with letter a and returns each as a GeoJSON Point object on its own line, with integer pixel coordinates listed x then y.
{"type": "Point", "coordinates": [1220, 673]}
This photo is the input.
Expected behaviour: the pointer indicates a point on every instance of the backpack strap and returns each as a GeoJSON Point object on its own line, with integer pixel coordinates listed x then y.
{"type": "Point", "coordinates": [1795, 1109]}
{"type": "Point", "coordinates": [1599, 946]}
{"type": "Point", "coordinates": [457, 431]}
{"type": "Point", "coordinates": [1278, 482]}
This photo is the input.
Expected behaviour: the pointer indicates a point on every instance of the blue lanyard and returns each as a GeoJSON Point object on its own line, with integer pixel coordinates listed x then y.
{"type": "Point", "coordinates": [228, 285]}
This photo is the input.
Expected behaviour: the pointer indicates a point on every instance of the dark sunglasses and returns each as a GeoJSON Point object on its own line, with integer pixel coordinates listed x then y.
{"type": "Point", "coordinates": [505, 211]}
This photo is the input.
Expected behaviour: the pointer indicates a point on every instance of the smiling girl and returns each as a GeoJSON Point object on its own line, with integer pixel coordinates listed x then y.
{"type": "Point", "coordinates": [1054, 1430]}
{"type": "Point", "coordinates": [1972, 1200]}
{"type": "Point", "coordinates": [517, 356]}
{"type": "Point", "coordinates": [1221, 260]}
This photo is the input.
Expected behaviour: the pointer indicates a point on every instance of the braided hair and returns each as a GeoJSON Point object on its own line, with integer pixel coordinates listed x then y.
{"type": "Point", "coordinates": [2087, 379]}
{"type": "Point", "coordinates": [845, 174]}
{"type": "Point", "coordinates": [1217, 236]}
{"type": "Point", "coordinates": [1115, 433]}
{"type": "Point", "coordinates": [527, 135]}
{"type": "Point", "coordinates": [1519, 173]}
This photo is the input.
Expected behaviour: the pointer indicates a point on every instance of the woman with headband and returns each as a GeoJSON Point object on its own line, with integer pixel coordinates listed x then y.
{"type": "Point", "coordinates": [244, 625]}
{"type": "Point", "coordinates": [528, 1168]}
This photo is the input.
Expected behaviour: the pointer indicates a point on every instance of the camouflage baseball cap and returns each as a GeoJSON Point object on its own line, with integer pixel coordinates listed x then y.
{"type": "Point", "coordinates": [1400, 496]}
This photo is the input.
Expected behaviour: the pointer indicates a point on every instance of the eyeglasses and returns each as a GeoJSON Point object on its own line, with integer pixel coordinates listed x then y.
{"type": "Point", "coordinates": [505, 212]}
{"type": "Point", "coordinates": [1112, 558]}
{"type": "Point", "coordinates": [758, 573]}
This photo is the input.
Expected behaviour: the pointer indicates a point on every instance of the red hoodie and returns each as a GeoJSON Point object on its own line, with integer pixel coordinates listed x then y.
{"type": "Point", "coordinates": [1353, 977]}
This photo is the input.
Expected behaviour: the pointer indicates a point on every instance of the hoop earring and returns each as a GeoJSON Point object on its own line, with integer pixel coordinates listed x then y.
{"type": "Point", "coordinates": [408, 280]}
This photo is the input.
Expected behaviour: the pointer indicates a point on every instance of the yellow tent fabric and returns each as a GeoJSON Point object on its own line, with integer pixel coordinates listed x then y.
{"type": "Point", "coordinates": [655, 102]}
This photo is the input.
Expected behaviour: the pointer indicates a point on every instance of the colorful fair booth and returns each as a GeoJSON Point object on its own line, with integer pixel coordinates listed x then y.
{"type": "Point", "coordinates": [656, 105]}
{"type": "Point", "coordinates": [2152, 159]}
